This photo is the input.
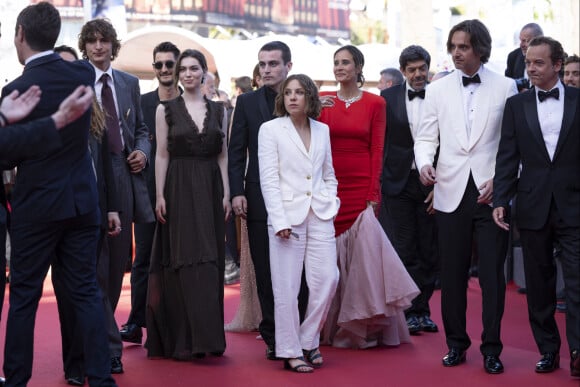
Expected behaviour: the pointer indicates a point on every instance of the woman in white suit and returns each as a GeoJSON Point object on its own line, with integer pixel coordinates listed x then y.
{"type": "Point", "coordinates": [299, 189]}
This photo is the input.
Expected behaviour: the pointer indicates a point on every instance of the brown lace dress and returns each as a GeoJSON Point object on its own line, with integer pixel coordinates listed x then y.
{"type": "Point", "coordinates": [186, 290]}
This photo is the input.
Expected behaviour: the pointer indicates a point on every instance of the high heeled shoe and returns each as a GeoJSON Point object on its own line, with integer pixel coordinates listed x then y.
{"type": "Point", "coordinates": [312, 355]}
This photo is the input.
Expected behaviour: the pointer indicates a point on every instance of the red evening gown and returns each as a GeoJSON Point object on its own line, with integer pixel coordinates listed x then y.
{"type": "Point", "coordinates": [374, 288]}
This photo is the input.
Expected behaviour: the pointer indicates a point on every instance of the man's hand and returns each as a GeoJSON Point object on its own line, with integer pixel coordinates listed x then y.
{"type": "Point", "coordinates": [240, 206]}
{"type": "Point", "coordinates": [15, 107]}
{"type": "Point", "coordinates": [74, 106]}
{"type": "Point", "coordinates": [486, 192]}
{"type": "Point", "coordinates": [498, 217]}
{"type": "Point", "coordinates": [428, 176]}
{"type": "Point", "coordinates": [114, 223]}
{"type": "Point", "coordinates": [137, 161]}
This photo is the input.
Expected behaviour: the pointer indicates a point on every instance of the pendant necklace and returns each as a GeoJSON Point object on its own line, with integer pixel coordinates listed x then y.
{"type": "Point", "coordinates": [349, 101]}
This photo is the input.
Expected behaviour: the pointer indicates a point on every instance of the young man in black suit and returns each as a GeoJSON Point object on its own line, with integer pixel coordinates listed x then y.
{"type": "Point", "coordinates": [253, 109]}
{"type": "Point", "coordinates": [55, 215]}
{"type": "Point", "coordinates": [407, 201]}
{"type": "Point", "coordinates": [541, 131]}
{"type": "Point", "coordinates": [165, 57]}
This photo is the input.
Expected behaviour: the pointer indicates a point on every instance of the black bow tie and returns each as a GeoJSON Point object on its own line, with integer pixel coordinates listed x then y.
{"type": "Point", "coordinates": [544, 95]}
{"type": "Point", "coordinates": [468, 80]}
{"type": "Point", "coordinates": [412, 94]}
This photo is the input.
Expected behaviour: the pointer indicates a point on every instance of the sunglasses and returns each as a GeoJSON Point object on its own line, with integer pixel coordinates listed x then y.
{"type": "Point", "coordinates": [159, 65]}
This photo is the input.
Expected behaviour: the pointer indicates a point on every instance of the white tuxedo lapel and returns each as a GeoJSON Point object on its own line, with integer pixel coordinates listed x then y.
{"type": "Point", "coordinates": [482, 101]}
{"type": "Point", "coordinates": [455, 97]}
{"type": "Point", "coordinates": [295, 137]}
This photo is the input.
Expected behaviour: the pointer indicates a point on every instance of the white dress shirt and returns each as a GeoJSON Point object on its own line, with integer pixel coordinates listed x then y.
{"type": "Point", "coordinates": [550, 115]}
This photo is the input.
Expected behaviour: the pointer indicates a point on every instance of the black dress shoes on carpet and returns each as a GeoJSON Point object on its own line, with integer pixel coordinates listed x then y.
{"type": "Point", "coordinates": [548, 363]}
{"type": "Point", "coordinates": [131, 333]}
{"type": "Point", "coordinates": [427, 325]}
{"type": "Point", "coordinates": [116, 365]}
{"type": "Point", "coordinates": [454, 357]}
{"type": "Point", "coordinates": [414, 325]}
{"type": "Point", "coordinates": [575, 363]}
{"type": "Point", "coordinates": [271, 353]}
{"type": "Point", "coordinates": [492, 364]}
{"type": "Point", "coordinates": [75, 380]}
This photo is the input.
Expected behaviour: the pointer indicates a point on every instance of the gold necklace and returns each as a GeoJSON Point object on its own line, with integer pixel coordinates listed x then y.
{"type": "Point", "coordinates": [349, 101]}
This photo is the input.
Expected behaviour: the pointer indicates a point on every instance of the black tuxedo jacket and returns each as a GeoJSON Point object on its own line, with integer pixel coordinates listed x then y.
{"type": "Point", "coordinates": [541, 179]}
{"type": "Point", "coordinates": [149, 102]}
{"type": "Point", "coordinates": [398, 154]}
{"type": "Point", "coordinates": [515, 64]}
{"type": "Point", "coordinates": [107, 188]}
{"type": "Point", "coordinates": [250, 113]}
{"type": "Point", "coordinates": [56, 184]}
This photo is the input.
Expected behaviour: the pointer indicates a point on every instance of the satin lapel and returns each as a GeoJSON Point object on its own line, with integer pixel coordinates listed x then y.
{"type": "Point", "coordinates": [531, 116]}
{"type": "Point", "coordinates": [482, 104]}
{"type": "Point", "coordinates": [295, 137]}
{"type": "Point", "coordinates": [263, 105]}
{"type": "Point", "coordinates": [570, 110]}
{"type": "Point", "coordinates": [454, 97]}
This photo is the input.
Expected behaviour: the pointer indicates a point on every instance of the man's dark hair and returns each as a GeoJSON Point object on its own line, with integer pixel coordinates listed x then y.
{"type": "Point", "coordinates": [572, 59]}
{"type": "Point", "coordinates": [105, 29]}
{"type": "Point", "coordinates": [166, 47]}
{"type": "Point", "coordinates": [394, 74]}
{"type": "Point", "coordinates": [479, 38]}
{"type": "Point", "coordinates": [412, 54]}
{"type": "Point", "coordinates": [358, 59]}
{"type": "Point", "coordinates": [278, 45]}
{"type": "Point", "coordinates": [244, 83]}
{"type": "Point", "coordinates": [65, 48]}
{"type": "Point", "coordinates": [535, 28]}
{"type": "Point", "coordinates": [40, 25]}
{"type": "Point", "coordinates": [556, 50]}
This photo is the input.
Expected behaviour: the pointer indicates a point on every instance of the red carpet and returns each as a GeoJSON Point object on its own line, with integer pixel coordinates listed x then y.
{"type": "Point", "coordinates": [415, 364]}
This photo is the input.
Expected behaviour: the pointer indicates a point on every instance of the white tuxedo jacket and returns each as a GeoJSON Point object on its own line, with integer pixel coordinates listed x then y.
{"type": "Point", "coordinates": [292, 179]}
{"type": "Point", "coordinates": [443, 123]}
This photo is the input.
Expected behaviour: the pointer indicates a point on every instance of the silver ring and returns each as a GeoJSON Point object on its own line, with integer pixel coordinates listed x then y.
{"type": "Point", "coordinates": [118, 228]}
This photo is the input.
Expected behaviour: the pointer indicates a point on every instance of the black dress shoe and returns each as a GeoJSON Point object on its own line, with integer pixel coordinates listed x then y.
{"type": "Point", "coordinates": [2, 381]}
{"type": "Point", "coordinates": [271, 353]}
{"type": "Point", "coordinates": [575, 363]}
{"type": "Point", "coordinates": [414, 325]}
{"type": "Point", "coordinates": [548, 363]}
{"type": "Point", "coordinates": [492, 364]}
{"type": "Point", "coordinates": [427, 325]}
{"type": "Point", "coordinates": [116, 365]}
{"type": "Point", "coordinates": [75, 380]}
{"type": "Point", "coordinates": [454, 357]}
{"type": "Point", "coordinates": [131, 333]}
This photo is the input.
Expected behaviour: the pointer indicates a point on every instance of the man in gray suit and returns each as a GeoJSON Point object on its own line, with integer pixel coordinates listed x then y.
{"type": "Point", "coordinates": [119, 95]}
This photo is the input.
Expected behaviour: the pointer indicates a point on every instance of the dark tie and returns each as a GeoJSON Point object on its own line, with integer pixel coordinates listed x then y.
{"type": "Point", "coordinates": [544, 95]}
{"type": "Point", "coordinates": [412, 94]}
{"type": "Point", "coordinates": [468, 80]}
{"type": "Point", "coordinates": [112, 120]}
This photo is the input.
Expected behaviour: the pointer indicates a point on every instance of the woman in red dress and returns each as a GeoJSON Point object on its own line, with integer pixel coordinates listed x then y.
{"type": "Point", "coordinates": [374, 287]}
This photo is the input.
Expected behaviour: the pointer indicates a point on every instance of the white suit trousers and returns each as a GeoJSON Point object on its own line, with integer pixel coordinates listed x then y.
{"type": "Point", "coordinates": [315, 251]}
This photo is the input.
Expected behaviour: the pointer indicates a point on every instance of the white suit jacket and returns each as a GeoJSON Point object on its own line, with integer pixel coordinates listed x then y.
{"type": "Point", "coordinates": [292, 179]}
{"type": "Point", "coordinates": [443, 123]}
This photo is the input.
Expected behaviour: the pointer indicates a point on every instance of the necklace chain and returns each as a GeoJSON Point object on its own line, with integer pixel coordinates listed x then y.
{"type": "Point", "coordinates": [349, 101]}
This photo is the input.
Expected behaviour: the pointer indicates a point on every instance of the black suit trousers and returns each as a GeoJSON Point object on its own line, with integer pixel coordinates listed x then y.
{"type": "Point", "coordinates": [70, 246]}
{"type": "Point", "coordinates": [140, 272]}
{"type": "Point", "coordinates": [457, 231]}
{"type": "Point", "coordinates": [412, 234]}
{"type": "Point", "coordinates": [540, 272]}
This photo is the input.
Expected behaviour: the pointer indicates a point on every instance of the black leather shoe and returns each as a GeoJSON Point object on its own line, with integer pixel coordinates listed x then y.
{"type": "Point", "coordinates": [131, 333]}
{"type": "Point", "coordinates": [75, 380]}
{"type": "Point", "coordinates": [116, 365]}
{"type": "Point", "coordinates": [548, 363]}
{"type": "Point", "coordinates": [427, 325]}
{"type": "Point", "coordinates": [2, 381]}
{"type": "Point", "coordinates": [271, 353]}
{"type": "Point", "coordinates": [414, 325]}
{"type": "Point", "coordinates": [492, 364]}
{"type": "Point", "coordinates": [575, 363]}
{"type": "Point", "coordinates": [454, 357]}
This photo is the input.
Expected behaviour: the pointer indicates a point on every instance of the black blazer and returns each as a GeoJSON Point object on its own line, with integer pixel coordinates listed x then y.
{"type": "Point", "coordinates": [541, 179]}
{"type": "Point", "coordinates": [57, 184]}
{"type": "Point", "coordinates": [515, 64]}
{"type": "Point", "coordinates": [398, 154]}
{"type": "Point", "coordinates": [107, 188]}
{"type": "Point", "coordinates": [149, 102]}
{"type": "Point", "coordinates": [250, 113]}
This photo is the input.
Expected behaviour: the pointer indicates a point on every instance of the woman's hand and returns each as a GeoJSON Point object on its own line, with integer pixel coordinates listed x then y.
{"type": "Point", "coordinates": [284, 233]}
{"type": "Point", "coordinates": [227, 208]}
{"type": "Point", "coordinates": [160, 210]}
{"type": "Point", "coordinates": [327, 100]}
